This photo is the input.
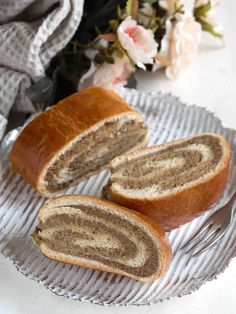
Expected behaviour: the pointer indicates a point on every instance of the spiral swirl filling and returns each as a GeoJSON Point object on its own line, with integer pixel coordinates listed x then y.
{"type": "Point", "coordinates": [170, 167]}
{"type": "Point", "coordinates": [93, 234]}
{"type": "Point", "coordinates": [93, 152]}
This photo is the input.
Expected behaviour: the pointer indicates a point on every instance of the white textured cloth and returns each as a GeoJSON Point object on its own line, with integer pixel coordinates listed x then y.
{"type": "Point", "coordinates": [31, 33]}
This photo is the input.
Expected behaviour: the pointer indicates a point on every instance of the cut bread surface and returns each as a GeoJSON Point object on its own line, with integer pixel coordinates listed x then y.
{"type": "Point", "coordinates": [75, 139]}
{"type": "Point", "coordinates": [160, 176]}
{"type": "Point", "coordinates": [92, 151]}
{"type": "Point", "coordinates": [89, 232]}
{"type": "Point", "coordinates": [154, 172]}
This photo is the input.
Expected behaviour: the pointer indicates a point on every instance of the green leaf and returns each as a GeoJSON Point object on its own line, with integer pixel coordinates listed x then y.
{"type": "Point", "coordinates": [110, 50]}
{"type": "Point", "coordinates": [128, 7]}
{"type": "Point", "coordinates": [113, 24]}
{"type": "Point", "coordinates": [119, 12]}
{"type": "Point", "coordinates": [118, 49]}
{"type": "Point", "coordinates": [120, 52]}
{"type": "Point", "coordinates": [209, 28]}
{"type": "Point", "coordinates": [109, 60]}
{"type": "Point", "coordinates": [99, 59]}
{"type": "Point", "coordinates": [202, 10]}
{"type": "Point", "coordinates": [132, 8]}
{"type": "Point", "coordinates": [151, 1]}
{"type": "Point", "coordinates": [155, 28]}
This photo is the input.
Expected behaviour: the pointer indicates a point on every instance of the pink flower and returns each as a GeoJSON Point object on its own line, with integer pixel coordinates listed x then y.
{"type": "Point", "coordinates": [107, 75]}
{"type": "Point", "coordinates": [137, 41]}
{"type": "Point", "coordinates": [180, 45]}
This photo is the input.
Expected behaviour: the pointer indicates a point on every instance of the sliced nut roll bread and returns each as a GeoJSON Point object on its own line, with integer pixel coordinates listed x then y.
{"type": "Point", "coordinates": [93, 233]}
{"type": "Point", "coordinates": [75, 139]}
{"type": "Point", "coordinates": [174, 182]}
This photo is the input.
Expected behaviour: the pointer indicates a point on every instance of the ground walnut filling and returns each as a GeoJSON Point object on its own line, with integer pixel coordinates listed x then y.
{"type": "Point", "coordinates": [90, 236]}
{"type": "Point", "coordinates": [172, 166]}
{"type": "Point", "coordinates": [93, 152]}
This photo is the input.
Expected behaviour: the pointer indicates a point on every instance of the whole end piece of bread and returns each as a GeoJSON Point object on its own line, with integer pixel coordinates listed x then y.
{"type": "Point", "coordinates": [75, 139]}
{"type": "Point", "coordinates": [98, 234]}
{"type": "Point", "coordinates": [174, 182]}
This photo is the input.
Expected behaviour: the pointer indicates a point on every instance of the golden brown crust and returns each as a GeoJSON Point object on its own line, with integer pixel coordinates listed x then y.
{"type": "Point", "coordinates": [51, 130]}
{"type": "Point", "coordinates": [149, 223]}
{"type": "Point", "coordinates": [180, 207]}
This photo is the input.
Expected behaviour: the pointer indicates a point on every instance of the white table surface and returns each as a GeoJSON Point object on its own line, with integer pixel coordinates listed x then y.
{"type": "Point", "coordinates": [211, 82]}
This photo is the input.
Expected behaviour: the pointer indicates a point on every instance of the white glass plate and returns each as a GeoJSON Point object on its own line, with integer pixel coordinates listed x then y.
{"type": "Point", "coordinates": [168, 119]}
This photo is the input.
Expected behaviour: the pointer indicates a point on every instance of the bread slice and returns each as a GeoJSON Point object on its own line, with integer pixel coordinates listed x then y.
{"type": "Point", "coordinates": [75, 139]}
{"type": "Point", "coordinates": [174, 182]}
{"type": "Point", "coordinates": [89, 232]}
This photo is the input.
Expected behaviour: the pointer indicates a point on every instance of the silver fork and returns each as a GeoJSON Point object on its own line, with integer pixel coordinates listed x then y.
{"type": "Point", "coordinates": [214, 227]}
